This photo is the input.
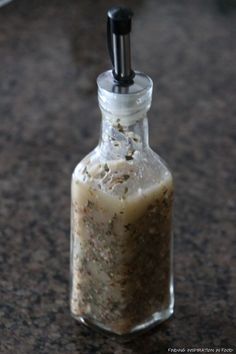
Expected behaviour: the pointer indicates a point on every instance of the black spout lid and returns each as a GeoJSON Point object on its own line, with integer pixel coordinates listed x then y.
{"type": "Point", "coordinates": [118, 40]}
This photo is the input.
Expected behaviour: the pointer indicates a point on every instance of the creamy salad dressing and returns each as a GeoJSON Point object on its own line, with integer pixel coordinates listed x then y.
{"type": "Point", "coordinates": [121, 245]}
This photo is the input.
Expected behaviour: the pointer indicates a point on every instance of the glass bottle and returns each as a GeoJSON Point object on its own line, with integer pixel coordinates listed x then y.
{"type": "Point", "coordinates": [121, 219]}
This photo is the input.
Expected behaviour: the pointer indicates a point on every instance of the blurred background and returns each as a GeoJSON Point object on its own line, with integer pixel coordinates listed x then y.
{"type": "Point", "coordinates": [50, 55]}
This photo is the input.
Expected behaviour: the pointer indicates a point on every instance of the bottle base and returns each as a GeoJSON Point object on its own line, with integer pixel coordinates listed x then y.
{"type": "Point", "coordinates": [153, 321]}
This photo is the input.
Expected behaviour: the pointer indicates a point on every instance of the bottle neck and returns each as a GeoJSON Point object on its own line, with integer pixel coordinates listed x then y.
{"type": "Point", "coordinates": [121, 138]}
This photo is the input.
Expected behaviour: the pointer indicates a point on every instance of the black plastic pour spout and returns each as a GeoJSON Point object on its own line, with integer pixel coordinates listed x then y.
{"type": "Point", "coordinates": [118, 40]}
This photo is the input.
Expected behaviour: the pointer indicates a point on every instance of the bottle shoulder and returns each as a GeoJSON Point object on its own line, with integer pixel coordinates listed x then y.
{"type": "Point", "coordinates": [123, 175]}
{"type": "Point", "coordinates": [159, 161]}
{"type": "Point", "coordinates": [86, 160]}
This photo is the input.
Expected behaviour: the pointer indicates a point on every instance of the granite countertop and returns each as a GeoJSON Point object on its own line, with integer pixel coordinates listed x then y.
{"type": "Point", "coordinates": [51, 53]}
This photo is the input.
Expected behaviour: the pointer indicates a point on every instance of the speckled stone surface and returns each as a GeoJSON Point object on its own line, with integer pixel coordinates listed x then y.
{"type": "Point", "coordinates": [50, 55]}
